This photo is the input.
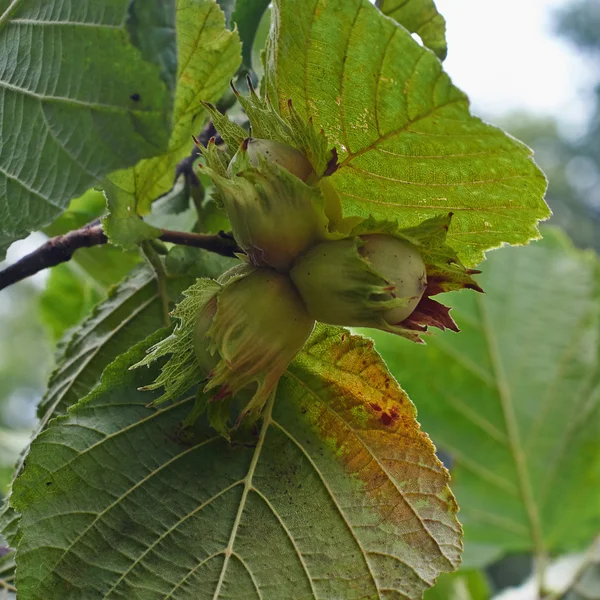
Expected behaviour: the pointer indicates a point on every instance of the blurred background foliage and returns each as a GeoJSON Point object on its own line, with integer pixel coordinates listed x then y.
{"type": "Point", "coordinates": [571, 163]}
{"type": "Point", "coordinates": [37, 313]}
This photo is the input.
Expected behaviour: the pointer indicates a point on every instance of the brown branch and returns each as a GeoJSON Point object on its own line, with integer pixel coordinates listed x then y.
{"type": "Point", "coordinates": [60, 249]}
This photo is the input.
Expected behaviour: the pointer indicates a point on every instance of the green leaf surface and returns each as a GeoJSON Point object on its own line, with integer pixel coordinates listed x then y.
{"type": "Point", "coordinates": [130, 313]}
{"type": "Point", "coordinates": [67, 298]}
{"type": "Point", "coordinates": [333, 497]}
{"type": "Point", "coordinates": [86, 89]}
{"type": "Point", "coordinates": [515, 398]}
{"type": "Point", "coordinates": [408, 146]}
{"type": "Point", "coordinates": [208, 56]}
{"type": "Point", "coordinates": [106, 264]}
{"type": "Point", "coordinates": [462, 585]}
{"type": "Point", "coordinates": [420, 17]}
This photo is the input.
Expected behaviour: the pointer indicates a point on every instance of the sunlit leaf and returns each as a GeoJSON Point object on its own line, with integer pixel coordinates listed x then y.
{"type": "Point", "coordinates": [420, 17]}
{"type": "Point", "coordinates": [408, 146]}
{"type": "Point", "coordinates": [515, 398]}
{"type": "Point", "coordinates": [208, 57]}
{"type": "Point", "coordinates": [336, 495]}
{"type": "Point", "coordinates": [85, 89]}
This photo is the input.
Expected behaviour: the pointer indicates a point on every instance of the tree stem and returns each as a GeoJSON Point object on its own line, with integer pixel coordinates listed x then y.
{"type": "Point", "coordinates": [61, 248]}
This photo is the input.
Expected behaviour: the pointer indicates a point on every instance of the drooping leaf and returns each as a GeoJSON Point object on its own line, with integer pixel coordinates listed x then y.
{"type": "Point", "coordinates": [131, 312]}
{"type": "Point", "coordinates": [408, 146]}
{"type": "Point", "coordinates": [338, 495]}
{"type": "Point", "coordinates": [420, 17]}
{"type": "Point", "coordinates": [86, 88]}
{"type": "Point", "coordinates": [515, 398]}
{"type": "Point", "coordinates": [67, 298]}
{"type": "Point", "coordinates": [209, 56]}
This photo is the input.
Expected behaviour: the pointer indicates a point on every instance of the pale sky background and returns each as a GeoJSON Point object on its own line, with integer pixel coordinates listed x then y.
{"type": "Point", "coordinates": [504, 55]}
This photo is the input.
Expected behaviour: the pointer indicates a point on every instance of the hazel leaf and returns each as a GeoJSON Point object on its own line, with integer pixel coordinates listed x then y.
{"type": "Point", "coordinates": [420, 17]}
{"type": "Point", "coordinates": [515, 399]}
{"type": "Point", "coordinates": [408, 145]}
{"type": "Point", "coordinates": [86, 88]}
{"type": "Point", "coordinates": [337, 493]}
{"type": "Point", "coordinates": [209, 55]}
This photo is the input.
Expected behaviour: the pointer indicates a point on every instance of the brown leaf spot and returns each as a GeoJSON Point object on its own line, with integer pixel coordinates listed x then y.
{"type": "Point", "coordinates": [386, 418]}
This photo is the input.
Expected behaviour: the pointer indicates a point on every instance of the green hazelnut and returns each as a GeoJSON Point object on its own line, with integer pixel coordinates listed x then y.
{"type": "Point", "coordinates": [285, 156]}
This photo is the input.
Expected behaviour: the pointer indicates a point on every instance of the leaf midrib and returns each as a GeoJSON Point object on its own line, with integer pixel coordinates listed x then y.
{"type": "Point", "coordinates": [512, 430]}
{"type": "Point", "coordinates": [247, 487]}
{"type": "Point", "coordinates": [4, 18]}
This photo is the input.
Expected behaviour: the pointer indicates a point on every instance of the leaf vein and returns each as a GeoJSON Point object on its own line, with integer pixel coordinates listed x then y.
{"type": "Point", "coordinates": [291, 538]}
{"type": "Point", "coordinates": [332, 496]}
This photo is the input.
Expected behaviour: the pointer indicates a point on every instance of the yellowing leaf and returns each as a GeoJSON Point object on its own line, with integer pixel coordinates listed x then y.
{"type": "Point", "coordinates": [336, 495]}
{"type": "Point", "coordinates": [515, 398]}
{"type": "Point", "coordinates": [407, 143]}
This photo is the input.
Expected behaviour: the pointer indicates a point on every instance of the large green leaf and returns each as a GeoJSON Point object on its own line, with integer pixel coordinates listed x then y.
{"type": "Point", "coordinates": [209, 56]}
{"type": "Point", "coordinates": [338, 495]}
{"type": "Point", "coordinates": [131, 312]}
{"type": "Point", "coordinates": [85, 89]}
{"type": "Point", "coordinates": [420, 17]}
{"type": "Point", "coordinates": [515, 398]}
{"type": "Point", "coordinates": [408, 145]}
